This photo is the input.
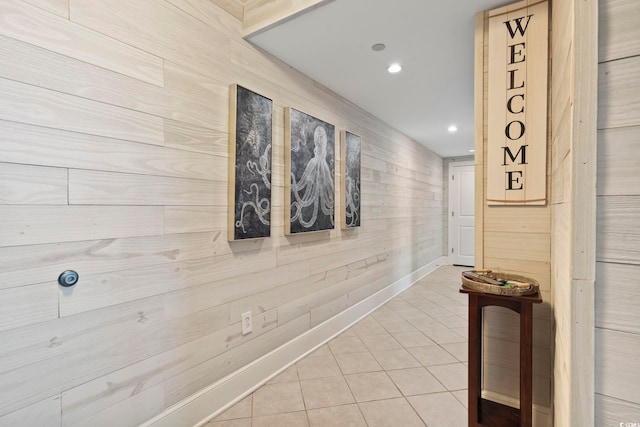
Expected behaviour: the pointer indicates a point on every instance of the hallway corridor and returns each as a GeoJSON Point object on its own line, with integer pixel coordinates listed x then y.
{"type": "Point", "coordinates": [403, 365]}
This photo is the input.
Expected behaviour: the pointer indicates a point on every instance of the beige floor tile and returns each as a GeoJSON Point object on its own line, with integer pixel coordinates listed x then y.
{"type": "Point", "coordinates": [368, 326]}
{"type": "Point", "coordinates": [347, 345]}
{"type": "Point", "coordinates": [324, 392]}
{"type": "Point", "coordinates": [317, 367]}
{"type": "Point", "coordinates": [286, 376]}
{"type": "Point", "coordinates": [462, 396]}
{"type": "Point", "coordinates": [277, 398]}
{"type": "Point", "coordinates": [323, 350]}
{"type": "Point", "coordinates": [242, 422]}
{"type": "Point", "coordinates": [398, 326]}
{"type": "Point", "coordinates": [390, 413]}
{"type": "Point", "coordinates": [291, 419]}
{"type": "Point", "coordinates": [426, 324]}
{"type": "Point", "coordinates": [337, 416]}
{"type": "Point", "coordinates": [372, 386]}
{"type": "Point", "coordinates": [415, 381]}
{"type": "Point", "coordinates": [453, 321]}
{"type": "Point", "coordinates": [242, 409]}
{"type": "Point", "coordinates": [432, 355]}
{"type": "Point", "coordinates": [444, 336]}
{"type": "Point", "coordinates": [395, 359]}
{"type": "Point", "coordinates": [453, 377]}
{"type": "Point", "coordinates": [348, 333]}
{"type": "Point", "coordinates": [440, 410]}
{"type": "Point", "coordinates": [355, 363]}
{"type": "Point", "coordinates": [463, 332]}
{"type": "Point", "coordinates": [413, 339]}
{"type": "Point", "coordinates": [459, 350]}
{"type": "Point", "coordinates": [412, 313]}
{"type": "Point", "coordinates": [380, 342]}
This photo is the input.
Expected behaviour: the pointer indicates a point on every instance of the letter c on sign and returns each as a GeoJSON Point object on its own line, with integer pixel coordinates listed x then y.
{"type": "Point", "coordinates": [521, 95]}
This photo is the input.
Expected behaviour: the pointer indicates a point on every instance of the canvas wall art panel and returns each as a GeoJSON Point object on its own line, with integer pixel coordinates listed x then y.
{"type": "Point", "coordinates": [350, 171]}
{"type": "Point", "coordinates": [250, 138]}
{"type": "Point", "coordinates": [310, 168]}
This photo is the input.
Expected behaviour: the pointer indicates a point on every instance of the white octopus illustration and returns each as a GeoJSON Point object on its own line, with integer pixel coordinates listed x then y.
{"type": "Point", "coordinates": [253, 192]}
{"type": "Point", "coordinates": [352, 202]}
{"type": "Point", "coordinates": [352, 180]}
{"type": "Point", "coordinates": [313, 192]}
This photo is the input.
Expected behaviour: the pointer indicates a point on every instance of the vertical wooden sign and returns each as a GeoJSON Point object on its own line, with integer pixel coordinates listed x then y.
{"type": "Point", "coordinates": [517, 104]}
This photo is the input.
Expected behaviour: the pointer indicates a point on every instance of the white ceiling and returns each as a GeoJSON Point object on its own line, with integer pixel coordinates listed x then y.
{"type": "Point", "coordinates": [433, 40]}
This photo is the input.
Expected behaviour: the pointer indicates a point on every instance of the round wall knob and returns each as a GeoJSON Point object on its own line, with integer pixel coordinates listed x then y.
{"type": "Point", "coordinates": [68, 278]}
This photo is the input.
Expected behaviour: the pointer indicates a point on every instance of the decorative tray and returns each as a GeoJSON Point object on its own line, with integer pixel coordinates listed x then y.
{"type": "Point", "coordinates": [499, 283]}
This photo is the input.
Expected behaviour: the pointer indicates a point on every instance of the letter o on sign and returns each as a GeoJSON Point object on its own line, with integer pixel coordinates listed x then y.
{"type": "Point", "coordinates": [508, 130]}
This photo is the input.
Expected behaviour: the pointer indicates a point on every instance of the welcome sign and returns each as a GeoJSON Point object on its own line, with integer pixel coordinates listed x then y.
{"type": "Point", "coordinates": [517, 105]}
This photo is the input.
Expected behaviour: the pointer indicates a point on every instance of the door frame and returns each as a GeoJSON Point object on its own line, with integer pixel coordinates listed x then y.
{"type": "Point", "coordinates": [449, 203]}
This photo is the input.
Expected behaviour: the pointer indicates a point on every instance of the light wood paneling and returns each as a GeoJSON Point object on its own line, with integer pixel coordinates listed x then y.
{"type": "Point", "coordinates": [27, 225]}
{"type": "Point", "coordinates": [515, 239]}
{"type": "Point", "coordinates": [122, 111]}
{"type": "Point", "coordinates": [617, 375]}
{"type": "Point", "coordinates": [234, 7]}
{"type": "Point", "coordinates": [520, 246]}
{"type": "Point", "coordinates": [618, 160]}
{"type": "Point", "coordinates": [612, 412]}
{"type": "Point", "coordinates": [182, 40]}
{"type": "Point", "coordinates": [617, 294]}
{"type": "Point", "coordinates": [38, 27]}
{"type": "Point", "coordinates": [618, 93]}
{"type": "Point", "coordinates": [44, 262]}
{"type": "Point", "coordinates": [618, 242]}
{"type": "Point", "coordinates": [64, 149]}
{"type": "Point", "coordinates": [59, 7]}
{"type": "Point", "coordinates": [137, 409]}
{"type": "Point", "coordinates": [29, 104]}
{"type": "Point", "coordinates": [618, 236]}
{"type": "Point", "coordinates": [619, 32]}
{"type": "Point", "coordinates": [43, 414]}
{"type": "Point", "coordinates": [32, 185]}
{"type": "Point", "coordinates": [27, 304]}
{"type": "Point", "coordinates": [104, 188]}
{"type": "Point", "coordinates": [260, 14]}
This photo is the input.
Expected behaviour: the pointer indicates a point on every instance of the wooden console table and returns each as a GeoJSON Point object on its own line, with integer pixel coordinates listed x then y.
{"type": "Point", "coordinates": [484, 412]}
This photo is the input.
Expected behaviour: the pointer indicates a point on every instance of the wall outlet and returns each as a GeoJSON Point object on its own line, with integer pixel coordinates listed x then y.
{"type": "Point", "coordinates": [247, 327]}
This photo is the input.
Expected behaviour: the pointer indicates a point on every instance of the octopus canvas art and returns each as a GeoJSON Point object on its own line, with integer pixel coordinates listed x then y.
{"type": "Point", "coordinates": [249, 165]}
{"type": "Point", "coordinates": [310, 166]}
{"type": "Point", "coordinates": [351, 152]}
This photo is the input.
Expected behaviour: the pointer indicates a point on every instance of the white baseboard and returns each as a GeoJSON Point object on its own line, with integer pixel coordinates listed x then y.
{"type": "Point", "coordinates": [204, 405]}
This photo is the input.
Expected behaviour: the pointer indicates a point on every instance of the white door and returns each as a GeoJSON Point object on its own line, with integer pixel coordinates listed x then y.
{"type": "Point", "coordinates": [461, 213]}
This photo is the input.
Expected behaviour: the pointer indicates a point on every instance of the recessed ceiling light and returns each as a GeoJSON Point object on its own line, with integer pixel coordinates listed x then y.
{"type": "Point", "coordinates": [472, 151]}
{"type": "Point", "coordinates": [378, 47]}
{"type": "Point", "coordinates": [394, 68]}
{"type": "Point", "coordinates": [452, 128]}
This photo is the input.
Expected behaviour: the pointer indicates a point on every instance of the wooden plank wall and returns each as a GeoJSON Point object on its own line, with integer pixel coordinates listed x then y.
{"type": "Point", "coordinates": [618, 236]}
{"type": "Point", "coordinates": [515, 239]}
{"type": "Point", "coordinates": [261, 14]}
{"type": "Point", "coordinates": [573, 92]}
{"type": "Point", "coordinates": [113, 162]}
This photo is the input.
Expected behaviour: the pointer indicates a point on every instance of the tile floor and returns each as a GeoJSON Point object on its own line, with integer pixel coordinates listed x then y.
{"type": "Point", "coordinates": [403, 365]}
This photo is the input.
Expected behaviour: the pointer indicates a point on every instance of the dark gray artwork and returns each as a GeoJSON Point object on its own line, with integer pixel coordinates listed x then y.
{"type": "Point", "coordinates": [251, 148]}
{"type": "Point", "coordinates": [312, 148]}
{"type": "Point", "coordinates": [351, 179]}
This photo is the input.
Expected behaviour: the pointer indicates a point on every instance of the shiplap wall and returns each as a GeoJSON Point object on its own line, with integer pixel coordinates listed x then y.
{"type": "Point", "coordinates": [113, 162]}
{"type": "Point", "coordinates": [574, 140]}
{"type": "Point", "coordinates": [618, 236]}
{"type": "Point", "coordinates": [515, 239]}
